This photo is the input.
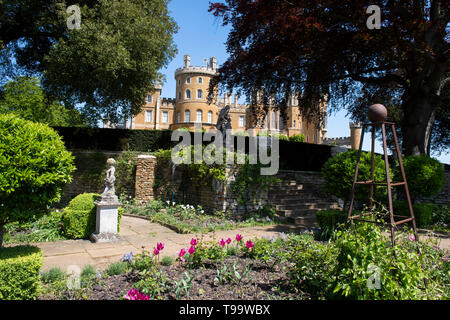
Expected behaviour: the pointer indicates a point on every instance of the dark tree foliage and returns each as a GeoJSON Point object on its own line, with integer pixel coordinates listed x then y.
{"type": "Point", "coordinates": [109, 65]}
{"type": "Point", "coordinates": [324, 48]}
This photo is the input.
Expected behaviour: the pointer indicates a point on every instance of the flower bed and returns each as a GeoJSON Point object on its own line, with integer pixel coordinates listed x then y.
{"type": "Point", "coordinates": [354, 264]}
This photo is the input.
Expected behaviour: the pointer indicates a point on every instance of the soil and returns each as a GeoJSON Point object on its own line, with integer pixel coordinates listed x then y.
{"type": "Point", "coordinates": [263, 283]}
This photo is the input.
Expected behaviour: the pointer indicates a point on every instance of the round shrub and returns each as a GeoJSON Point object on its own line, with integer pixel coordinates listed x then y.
{"type": "Point", "coordinates": [339, 173]}
{"type": "Point", "coordinates": [425, 175]}
{"type": "Point", "coordinates": [19, 273]}
{"type": "Point", "coordinates": [34, 168]}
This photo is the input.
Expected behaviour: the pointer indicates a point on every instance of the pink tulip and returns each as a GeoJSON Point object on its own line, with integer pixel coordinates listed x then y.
{"type": "Point", "coordinates": [222, 243]}
{"type": "Point", "coordinates": [181, 254]}
{"type": "Point", "coordinates": [160, 246]}
{"type": "Point", "coordinates": [228, 240]}
{"type": "Point", "coordinates": [134, 294]}
{"type": "Point", "coordinates": [191, 250]}
{"type": "Point", "coordinates": [412, 238]}
{"type": "Point", "coordinates": [194, 242]}
{"type": "Point", "coordinates": [249, 245]}
{"type": "Point", "coordinates": [155, 251]}
{"type": "Point", "coordinates": [238, 238]}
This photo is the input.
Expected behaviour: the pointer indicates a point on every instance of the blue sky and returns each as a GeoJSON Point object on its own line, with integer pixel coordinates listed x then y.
{"type": "Point", "coordinates": [202, 36]}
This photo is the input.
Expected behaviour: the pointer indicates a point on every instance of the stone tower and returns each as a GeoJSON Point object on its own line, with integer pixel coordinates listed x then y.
{"type": "Point", "coordinates": [191, 105]}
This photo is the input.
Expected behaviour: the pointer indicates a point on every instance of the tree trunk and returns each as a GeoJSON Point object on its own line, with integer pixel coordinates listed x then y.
{"type": "Point", "coordinates": [416, 127]}
{"type": "Point", "coordinates": [1, 236]}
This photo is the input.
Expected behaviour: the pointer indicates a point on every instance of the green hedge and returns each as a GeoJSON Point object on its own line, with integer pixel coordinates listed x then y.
{"type": "Point", "coordinates": [329, 219]}
{"type": "Point", "coordinates": [79, 217]}
{"type": "Point", "coordinates": [19, 272]}
{"type": "Point", "coordinates": [115, 139]}
{"type": "Point", "coordinates": [423, 212]}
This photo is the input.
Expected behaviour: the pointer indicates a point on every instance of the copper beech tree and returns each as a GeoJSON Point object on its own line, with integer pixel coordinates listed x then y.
{"type": "Point", "coordinates": [353, 52]}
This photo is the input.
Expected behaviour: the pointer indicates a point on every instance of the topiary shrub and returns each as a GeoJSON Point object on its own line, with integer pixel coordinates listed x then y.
{"type": "Point", "coordinates": [339, 173]}
{"type": "Point", "coordinates": [423, 212]}
{"type": "Point", "coordinates": [34, 168]}
{"type": "Point", "coordinates": [19, 273]}
{"type": "Point", "coordinates": [79, 217]}
{"type": "Point", "coordinates": [425, 176]}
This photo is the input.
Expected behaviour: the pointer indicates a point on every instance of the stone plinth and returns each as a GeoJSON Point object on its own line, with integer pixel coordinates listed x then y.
{"type": "Point", "coordinates": [107, 221]}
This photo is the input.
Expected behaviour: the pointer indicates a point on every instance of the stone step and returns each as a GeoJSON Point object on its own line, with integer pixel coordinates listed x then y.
{"type": "Point", "coordinates": [291, 212]}
{"type": "Point", "coordinates": [307, 197]}
{"type": "Point", "coordinates": [302, 221]}
{"type": "Point", "coordinates": [303, 206]}
{"type": "Point", "coordinates": [317, 203]}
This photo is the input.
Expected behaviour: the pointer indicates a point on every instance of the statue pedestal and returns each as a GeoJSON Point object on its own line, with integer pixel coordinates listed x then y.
{"type": "Point", "coordinates": [107, 220]}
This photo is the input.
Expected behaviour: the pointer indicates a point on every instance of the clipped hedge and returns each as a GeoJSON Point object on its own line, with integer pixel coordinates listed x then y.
{"type": "Point", "coordinates": [19, 272]}
{"type": "Point", "coordinates": [330, 219]}
{"type": "Point", "coordinates": [79, 217]}
{"type": "Point", "coordinates": [115, 139]}
{"type": "Point", "coordinates": [423, 212]}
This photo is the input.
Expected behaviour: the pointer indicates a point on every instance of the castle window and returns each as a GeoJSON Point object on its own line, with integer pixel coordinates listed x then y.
{"type": "Point", "coordinates": [199, 94]}
{"type": "Point", "coordinates": [165, 116]}
{"type": "Point", "coordinates": [179, 82]}
{"type": "Point", "coordinates": [179, 95]}
{"type": "Point", "coordinates": [200, 80]}
{"type": "Point", "coordinates": [188, 94]}
{"type": "Point", "coordinates": [294, 123]}
{"type": "Point", "coordinates": [210, 117]}
{"type": "Point", "coordinates": [149, 98]}
{"type": "Point", "coordinates": [187, 116]}
{"type": "Point", "coordinates": [188, 80]}
{"type": "Point", "coordinates": [148, 116]}
{"type": "Point", "coordinates": [178, 117]}
{"type": "Point", "coordinates": [241, 121]}
{"type": "Point", "coordinates": [199, 115]}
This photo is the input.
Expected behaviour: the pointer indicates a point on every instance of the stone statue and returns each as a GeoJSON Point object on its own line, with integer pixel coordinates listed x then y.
{"type": "Point", "coordinates": [109, 193]}
{"type": "Point", "coordinates": [224, 122]}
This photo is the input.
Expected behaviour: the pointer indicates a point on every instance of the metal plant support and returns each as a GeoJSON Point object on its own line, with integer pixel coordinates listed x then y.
{"type": "Point", "coordinates": [378, 115]}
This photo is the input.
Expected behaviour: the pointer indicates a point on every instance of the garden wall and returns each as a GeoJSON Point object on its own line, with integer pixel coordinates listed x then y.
{"type": "Point", "coordinates": [90, 165]}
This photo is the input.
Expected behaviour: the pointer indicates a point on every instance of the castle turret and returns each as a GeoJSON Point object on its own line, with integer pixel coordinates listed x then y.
{"type": "Point", "coordinates": [192, 87]}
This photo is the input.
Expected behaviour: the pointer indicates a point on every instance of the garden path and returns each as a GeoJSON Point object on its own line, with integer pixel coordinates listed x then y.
{"type": "Point", "coordinates": [135, 234]}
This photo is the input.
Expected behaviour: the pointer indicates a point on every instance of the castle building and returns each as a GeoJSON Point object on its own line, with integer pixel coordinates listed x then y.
{"type": "Point", "coordinates": [190, 107]}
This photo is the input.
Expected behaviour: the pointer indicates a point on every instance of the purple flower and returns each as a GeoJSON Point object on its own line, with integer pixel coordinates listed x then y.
{"type": "Point", "coordinates": [191, 250]}
{"type": "Point", "coordinates": [412, 238]}
{"type": "Point", "coordinates": [193, 242]}
{"type": "Point", "coordinates": [155, 251]}
{"type": "Point", "coordinates": [222, 243]}
{"type": "Point", "coordinates": [160, 246]}
{"type": "Point", "coordinates": [228, 240]}
{"type": "Point", "coordinates": [238, 237]}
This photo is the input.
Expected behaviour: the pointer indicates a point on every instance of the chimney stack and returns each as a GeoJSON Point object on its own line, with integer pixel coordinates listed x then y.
{"type": "Point", "coordinates": [355, 135]}
{"type": "Point", "coordinates": [213, 63]}
{"type": "Point", "coordinates": [187, 60]}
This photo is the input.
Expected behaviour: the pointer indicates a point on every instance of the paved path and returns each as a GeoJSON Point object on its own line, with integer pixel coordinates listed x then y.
{"type": "Point", "coordinates": [137, 233]}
